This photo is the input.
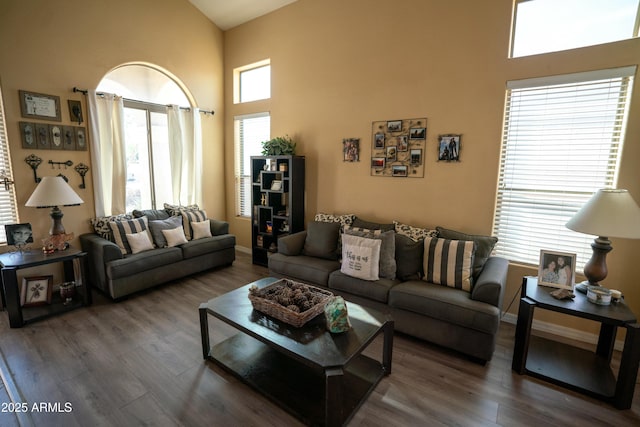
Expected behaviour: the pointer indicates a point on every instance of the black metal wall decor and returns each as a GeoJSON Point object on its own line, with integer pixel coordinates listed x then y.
{"type": "Point", "coordinates": [82, 169]}
{"type": "Point", "coordinates": [398, 148]}
{"type": "Point", "coordinates": [34, 161]}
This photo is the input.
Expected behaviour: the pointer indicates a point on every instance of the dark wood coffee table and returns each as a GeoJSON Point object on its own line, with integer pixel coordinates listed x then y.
{"type": "Point", "coordinates": [319, 377]}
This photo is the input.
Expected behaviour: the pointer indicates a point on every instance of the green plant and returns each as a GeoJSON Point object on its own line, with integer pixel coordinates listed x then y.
{"type": "Point", "coordinates": [279, 146]}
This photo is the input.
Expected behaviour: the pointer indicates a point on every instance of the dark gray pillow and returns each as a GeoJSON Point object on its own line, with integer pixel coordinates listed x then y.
{"type": "Point", "coordinates": [322, 240]}
{"type": "Point", "coordinates": [409, 257]}
{"type": "Point", "coordinates": [151, 214]}
{"type": "Point", "coordinates": [484, 246]}
{"type": "Point", "coordinates": [156, 227]}
{"type": "Point", "coordinates": [361, 223]}
{"type": "Point", "coordinates": [387, 264]}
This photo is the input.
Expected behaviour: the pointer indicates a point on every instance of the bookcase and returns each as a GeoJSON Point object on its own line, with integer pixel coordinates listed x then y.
{"type": "Point", "coordinates": [277, 199]}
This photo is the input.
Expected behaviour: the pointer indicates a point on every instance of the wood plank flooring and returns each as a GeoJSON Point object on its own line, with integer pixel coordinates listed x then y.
{"type": "Point", "coordinates": [139, 363]}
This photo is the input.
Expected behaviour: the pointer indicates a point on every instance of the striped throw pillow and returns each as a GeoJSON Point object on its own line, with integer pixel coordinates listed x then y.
{"type": "Point", "coordinates": [189, 216]}
{"type": "Point", "coordinates": [448, 262]}
{"type": "Point", "coordinates": [120, 229]}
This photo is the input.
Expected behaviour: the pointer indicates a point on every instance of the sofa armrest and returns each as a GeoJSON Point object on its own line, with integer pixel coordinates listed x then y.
{"type": "Point", "coordinates": [99, 252]}
{"type": "Point", "coordinates": [218, 227]}
{"type": "Point", "coordinates": [292, 244]}
{"type": "Point", "coordinates": [491, 282]}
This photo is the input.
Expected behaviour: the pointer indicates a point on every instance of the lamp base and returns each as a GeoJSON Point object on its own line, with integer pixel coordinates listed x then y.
{"type": "Point", "coordinates": [595, 269]}
{"type": "Point", "coordinates": [56, 221]}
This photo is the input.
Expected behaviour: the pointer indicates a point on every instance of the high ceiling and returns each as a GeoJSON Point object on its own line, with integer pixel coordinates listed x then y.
{"type": "Point", "coordinates": [227, 14]}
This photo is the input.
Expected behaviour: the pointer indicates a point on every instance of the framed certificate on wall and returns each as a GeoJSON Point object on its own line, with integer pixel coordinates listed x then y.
{"type": "Point", "coordinates": [39, 106]}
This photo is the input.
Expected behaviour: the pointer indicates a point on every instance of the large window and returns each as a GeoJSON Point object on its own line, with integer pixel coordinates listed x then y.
{"type": "Point", "coordinates": [250, 131]}
{"type": "Point", "coordinates": [551, 25]}
{"type": "Point", "coordinates": [562, 141]}
{"type": "Point", "coordinates": [8, 207]}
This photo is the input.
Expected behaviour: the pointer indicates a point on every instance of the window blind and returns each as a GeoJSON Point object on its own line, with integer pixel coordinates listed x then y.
{"type": "Point", "coordinates": [8, 207]}
{"type": "Point", "coordinates": [250, 131]}
{"type": "Point", "coordinates": [562, 140]}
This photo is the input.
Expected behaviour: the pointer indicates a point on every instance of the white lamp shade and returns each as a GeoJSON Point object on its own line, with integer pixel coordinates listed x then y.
{"type": "Point", "coordinates": [609, 213]}
{"type": "Point", "coordinates": [53, 191]}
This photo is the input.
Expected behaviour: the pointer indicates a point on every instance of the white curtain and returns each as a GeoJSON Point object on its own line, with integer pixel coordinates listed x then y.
{"type": "Point", "coordinates": [185, 148]}
{"type": "Point", "coordinates": [108, 157]}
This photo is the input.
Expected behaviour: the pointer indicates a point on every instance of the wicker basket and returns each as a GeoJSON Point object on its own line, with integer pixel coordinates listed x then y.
{"type": "Point", "coordinates": [280, 312]}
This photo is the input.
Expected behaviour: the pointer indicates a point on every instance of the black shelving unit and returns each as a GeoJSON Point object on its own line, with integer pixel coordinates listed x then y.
{"type": "Point", "coordinates": [277, 198]}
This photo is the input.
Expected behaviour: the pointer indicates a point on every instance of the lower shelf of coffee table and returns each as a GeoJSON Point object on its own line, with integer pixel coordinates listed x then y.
{"type": "Point", "coordinates": [295, 387]}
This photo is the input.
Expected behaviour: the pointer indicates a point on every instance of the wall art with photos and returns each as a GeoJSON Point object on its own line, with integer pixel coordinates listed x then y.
{"type": "Point", "coordinates": [398, 148]}
{"type": "Point", "coordinates": [557, 269]}
{"type": "Point", "coordinates": [449, 148]}
{"type": "Point", "coordinates": [351, 149]}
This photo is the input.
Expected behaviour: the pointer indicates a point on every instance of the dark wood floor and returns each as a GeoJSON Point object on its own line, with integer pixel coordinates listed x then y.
{"type": "Point", "coordinates": [139, 363]}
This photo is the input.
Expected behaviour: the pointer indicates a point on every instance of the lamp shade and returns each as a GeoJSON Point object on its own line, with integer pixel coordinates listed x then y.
{"type": "Point", "coordinates": [53, 191]}
{"type": "Point", "coordinates": [610, 213]}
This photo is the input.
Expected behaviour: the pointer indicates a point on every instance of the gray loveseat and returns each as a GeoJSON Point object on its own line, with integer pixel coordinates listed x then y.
{"type": "Point", "coordinates": [454, 318]}
{"type": "Point", "coordinates": [119, 275]}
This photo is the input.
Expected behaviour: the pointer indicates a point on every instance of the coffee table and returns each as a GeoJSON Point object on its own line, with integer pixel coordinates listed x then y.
{"type": "Point", "coordinates": [319, 377]}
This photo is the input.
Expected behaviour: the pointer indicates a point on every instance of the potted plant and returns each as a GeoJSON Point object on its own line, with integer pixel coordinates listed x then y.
{"type": "Point", "coordinates": [279, 146]}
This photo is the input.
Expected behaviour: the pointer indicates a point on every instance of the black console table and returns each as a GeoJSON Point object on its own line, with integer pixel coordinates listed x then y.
{"type": "Point", "coordinates": [575, 368]}
{"type": "Point", "coordinates": [13, 261]}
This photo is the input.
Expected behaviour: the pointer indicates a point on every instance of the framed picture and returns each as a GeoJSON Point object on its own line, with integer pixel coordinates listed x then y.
{"type": "Point", "coordinates": [56, 137]}
{"type": "Point", "coordinates": [557, 269]}
{"type": "Point", "coordinates": [75, 111]}
{"type": "Point", "coordinates": [416, 156]}
{"type": "Point", "coordinates": [378, 162]}
{"type": "Point", "coordinates": [394, 126]}
{"type": "Point", "coordinates": [378, 141]}
{"type": "Point", "coordinates": [36, 291]}
{"type": "Point", "coordinates": [403, 143]}
{"type": "Point", "coordinates": [399, 170]}
{"type": "Point", "coordinates": [417, 133]}
{"type": "Point", "coordinates": [392, 154]}
{"type": "Point", "coordinates": [449, 148]}
{"type": "Point", "coordinates": [18, 234]}
{"type": "Point", "coordinates": [28, 135]}
{"type": "Point", "coordinates": [81, 139]}
{"type": "Point", "coordinates": [68, 137]}
{"type": "Point", "coordinates": [351, 149]}
{"type": "Point", "coordinates": [276, 185]}
{"type": "Point", "coordinates": [39, 106]}
{"type": "Point", "coordinates": [42, 136]}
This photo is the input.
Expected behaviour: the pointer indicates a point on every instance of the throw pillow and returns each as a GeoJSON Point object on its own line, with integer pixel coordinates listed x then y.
{"type": "Point", "coordinates": [322, 240]}
{"type": "Point", "coordinates": [361, 223]}
{"type": "Point", "coordinates": [409, 256]}
{"type": "Point", "coordinates": [414, 233]}
{"type": "Point", "coordinates": [191, 216]}
{"type": "Point", "coordinates": [101, 224]}
{"type": "Point", "coordinates": [484, 246]}
{"type": "Point", "coordinates": [157, 226]}
{"type": "Point", "coordinates": [387, 248]}
{"type": "Point", "coordinates": [151, 214]}
{"type": "Point", "coordinates": [176, 210]}
{"type": "Point", "coordinates": [120, 229]}
{"type": "Point", "coordinates": [448, 262]}
{"type": "Point", "coordinates": [344, 220]}
{"type": "Point", "coordinates": [174, 236]}
{"type": "Point", "coordinates": [361, 257]}
{"type": "Point", "coordinates": [201, 229]}
{"type": "Point", "coordinates": [139, 242]}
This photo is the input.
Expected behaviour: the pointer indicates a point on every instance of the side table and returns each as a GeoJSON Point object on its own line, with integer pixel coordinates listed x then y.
{"type": "Point", "coordinates": [13, 261]}
{"type": "Point", "coordinates": [575, 368]}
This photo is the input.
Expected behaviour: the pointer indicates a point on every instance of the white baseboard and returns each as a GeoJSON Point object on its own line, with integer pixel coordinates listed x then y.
{"type": "Point", "coordinates": [243, 249]}
{"type": "Point", "coordinates": [561, 331]}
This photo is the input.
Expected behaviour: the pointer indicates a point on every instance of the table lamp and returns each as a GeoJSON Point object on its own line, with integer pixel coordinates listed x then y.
{"type": "Point", "coordinates": [51, 192]}
{"type": "Point", "coordinates": [609, 213]}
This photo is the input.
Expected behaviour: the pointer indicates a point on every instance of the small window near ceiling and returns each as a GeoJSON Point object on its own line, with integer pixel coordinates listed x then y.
{"type": "Point", "coordinates": [253, 82]}
{"type": "Point", "coordinates": [542, 26]}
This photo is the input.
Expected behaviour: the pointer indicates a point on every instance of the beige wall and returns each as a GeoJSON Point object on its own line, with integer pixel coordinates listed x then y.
{"type": "Point", "coordinates": [339, 65]}
{"type": "Point", "coordinates": [50, 47]}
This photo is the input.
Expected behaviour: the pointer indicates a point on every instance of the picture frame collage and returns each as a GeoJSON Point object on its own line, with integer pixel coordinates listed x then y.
{"type": "Point", "coordinates": [398, 148]}
{"type": "Point", "coordinates": [50, 136]}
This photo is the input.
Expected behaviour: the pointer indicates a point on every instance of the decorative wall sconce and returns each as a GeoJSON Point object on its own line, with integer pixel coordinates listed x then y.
{"type": "Point", "coordinates": [34, 161]}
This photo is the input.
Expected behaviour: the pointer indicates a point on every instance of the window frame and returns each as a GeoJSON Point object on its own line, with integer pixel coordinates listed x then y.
{"type": "Point", "coordinates": [237, 77]}
{"type": "Point", "coordinates": [8, 195]}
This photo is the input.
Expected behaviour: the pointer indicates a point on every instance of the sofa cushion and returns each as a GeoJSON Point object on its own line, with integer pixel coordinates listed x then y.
{"type": "Point", "coordinates": [151, 214]}
{"type": "Point", "coordinates": [484, 246]}
{"type": "Point", "coordinates": [409, 257]}
{"type": "Point", "coordinates": [201, 229]}
{"type": "Point", "coordinates": [120, 229]}
{"type": "Point", "coordinates": [189, 216]}
{"type": "Point", "coordinates": [414, 233]}
{"type": "Point", "coordinates": [174, 236]}
{"type": "Point", "coordinates": [139, 242]}
{"type": "Point", "coordinates": [322, 240]}
{"type": "Point", "coordinates": [156, 227]}
{"type": "Point", "coordinates": [143, 261]}
{"type": "Point", "coordinates": [207, 245]}
{"type": "Point", "coordinates": [361, 257]}
{"type": "Point", "coordinates": [448, 262]}
{"type": "Point", "coordinates": [103, 229]}
{"type": "Point", "coordinates": [387, 268]}
{"type": "Point", "coordinates": [305, 268]}
{"type": "Point", "coordinates": [446, 304]}
{"type": "Point", "coordinates": [377, 290]}
{"type": "Point", "coordinates": [361, 223]}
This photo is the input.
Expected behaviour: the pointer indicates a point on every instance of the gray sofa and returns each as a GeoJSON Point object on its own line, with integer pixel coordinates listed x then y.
{"type": "Point", "coordinates": [463, 321]}
{"type": "Point", "coordinates": [119, 275]}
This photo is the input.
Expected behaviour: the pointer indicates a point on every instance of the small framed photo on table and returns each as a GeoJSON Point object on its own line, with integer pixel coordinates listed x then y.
{"type": "Point", "coordinates": [36, 291]}
{"type": "Point", "coordinates": [557, 269]}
